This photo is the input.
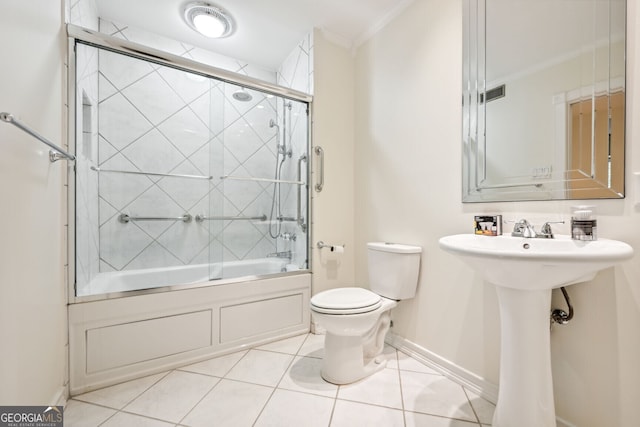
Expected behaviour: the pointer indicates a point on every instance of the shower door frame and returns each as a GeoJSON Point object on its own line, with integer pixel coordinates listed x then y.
{"type": "Point", "coordinates": [135, 50]}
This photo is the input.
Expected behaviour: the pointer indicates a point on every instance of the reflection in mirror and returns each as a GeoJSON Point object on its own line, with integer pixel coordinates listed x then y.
{"type": "Point", "coordinates": [543, 99]}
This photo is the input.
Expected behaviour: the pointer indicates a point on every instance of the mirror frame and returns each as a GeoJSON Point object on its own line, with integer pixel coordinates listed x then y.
{"type": "Point", "coordinates": [474, 160]}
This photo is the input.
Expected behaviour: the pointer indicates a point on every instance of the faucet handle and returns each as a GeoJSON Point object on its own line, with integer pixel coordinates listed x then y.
{"type": "Point", "coordinates": [546, 231]}
{"type": "Point", "coordinates": [522, 228]}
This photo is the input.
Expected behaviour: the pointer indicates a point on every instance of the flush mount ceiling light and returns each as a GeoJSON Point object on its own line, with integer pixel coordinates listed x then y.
{"type": "Point", "coordinates": [209, 20]}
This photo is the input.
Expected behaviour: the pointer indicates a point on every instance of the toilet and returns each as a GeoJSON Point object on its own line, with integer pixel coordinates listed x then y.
{"type": "Point", "coordinates": [356, 320]}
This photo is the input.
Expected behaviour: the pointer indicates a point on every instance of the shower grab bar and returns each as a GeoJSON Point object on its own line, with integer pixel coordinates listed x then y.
{"type": "Point", "coordinates": [172, 175]}
{"type": "Point", "coordinates": [248, 178]}
{"type": "Point", "coordinates": [320, 152]}
{"type": "Point", "coordinates": [200, 218]}
{"type": "Point", "coordinates": [125, 218]}
{"type": "Point", "coordinates": [55, 155]}
{"type": "Point", "coordinates": [300, 219]}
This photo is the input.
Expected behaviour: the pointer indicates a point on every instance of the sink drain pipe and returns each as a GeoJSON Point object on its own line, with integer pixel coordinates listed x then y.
{"type": "Point", "coordinates": [560, 316]}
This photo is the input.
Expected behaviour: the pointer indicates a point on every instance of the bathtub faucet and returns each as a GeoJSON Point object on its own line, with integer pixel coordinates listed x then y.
{"type": "Point", "coordinates": [286, 254]}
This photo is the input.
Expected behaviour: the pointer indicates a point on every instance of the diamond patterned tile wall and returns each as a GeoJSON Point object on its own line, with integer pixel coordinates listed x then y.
{"type": "Point", "coordinates": [87, 241]}
{"type": "Point", "coordinates": [162, 133]}
{"type": "Point", "coordinates": [120, 122]}
{"type": "Point", "coordinates": [152, 129]}
{"type": "Point", "coordinates": [296, 70]}
{"type": "Point", "coordinates": [156, 119]}
{"type": "Point", "coordinates": [83, 13]}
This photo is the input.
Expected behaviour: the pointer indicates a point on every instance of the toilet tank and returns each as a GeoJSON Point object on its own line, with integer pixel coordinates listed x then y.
{"type": "Point", "coordinates": [393, 269]}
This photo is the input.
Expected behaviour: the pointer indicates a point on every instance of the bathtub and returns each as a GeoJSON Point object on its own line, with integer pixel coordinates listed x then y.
{"type": "Point", "coordinates": [177, 316]}
{"type": "Point", "coordinates": [150, 278]}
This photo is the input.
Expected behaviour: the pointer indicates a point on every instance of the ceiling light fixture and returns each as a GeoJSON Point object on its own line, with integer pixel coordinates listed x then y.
{"type": "Point", "coordinates": [209, 20]}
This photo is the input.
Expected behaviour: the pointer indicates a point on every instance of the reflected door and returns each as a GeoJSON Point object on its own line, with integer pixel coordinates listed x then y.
{"type": "Point", "coordinates": [596, 157]}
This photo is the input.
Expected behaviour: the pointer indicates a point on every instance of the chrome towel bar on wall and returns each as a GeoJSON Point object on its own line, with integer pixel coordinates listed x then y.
{"type": "Point", "coordinates": [319, 185]}
{"type": "Point", "coordinates": [56, 154]}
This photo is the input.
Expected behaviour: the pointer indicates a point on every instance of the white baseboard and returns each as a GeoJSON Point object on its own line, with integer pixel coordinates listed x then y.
{"type": "Point", "coordinates": [562, 423]}
{"type": "Point", "coordinates": [59, 398]}
{"type": "Point", "coordinates": [465, 378]}
{"type": "Point", "coordinates": [458, 374]}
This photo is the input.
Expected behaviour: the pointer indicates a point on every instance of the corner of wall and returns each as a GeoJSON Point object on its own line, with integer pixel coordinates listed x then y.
{"type": "Point", "coordinates": [333, 130]}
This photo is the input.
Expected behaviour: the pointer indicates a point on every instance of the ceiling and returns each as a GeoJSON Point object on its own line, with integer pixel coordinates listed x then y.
{"type": "Point", "coordinates": [266, 30]}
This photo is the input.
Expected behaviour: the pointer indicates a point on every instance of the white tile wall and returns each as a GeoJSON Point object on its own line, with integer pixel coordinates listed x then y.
{"type": "Point", "coordinates": [164, 132]}
{"type": "Point", "coordinates": [83, 13]}
{"type": "Point", "coordinates": [157, 119]}
{"type": "Point", "coordinates": [87, 241]}
{"type": "Point", "coordinates": [296, 70]}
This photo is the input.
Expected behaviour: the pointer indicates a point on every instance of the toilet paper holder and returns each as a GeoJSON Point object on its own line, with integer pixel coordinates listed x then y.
{"type": "Point", "coordinates": [332, 248]}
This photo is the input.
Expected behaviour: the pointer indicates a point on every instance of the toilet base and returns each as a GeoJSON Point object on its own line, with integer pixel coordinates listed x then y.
{"type": "Point", "coordinates": [344, 362]}
{"type": "Point", "coordinates": [349, 358]}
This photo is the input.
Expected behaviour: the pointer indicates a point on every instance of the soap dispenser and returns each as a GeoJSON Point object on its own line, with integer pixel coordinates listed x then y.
{"type": "Point", "coordinates": [583, 223]}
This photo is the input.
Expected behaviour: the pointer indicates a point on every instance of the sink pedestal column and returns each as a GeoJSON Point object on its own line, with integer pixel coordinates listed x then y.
{"type": "Point", "coordinates": [525, 397]}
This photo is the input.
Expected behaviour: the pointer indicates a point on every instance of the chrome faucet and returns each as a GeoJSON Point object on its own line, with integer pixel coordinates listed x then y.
{"type": "Point", "coordinates": [546, 232]}
{"type": "Point", "coordinates": [523, 228]}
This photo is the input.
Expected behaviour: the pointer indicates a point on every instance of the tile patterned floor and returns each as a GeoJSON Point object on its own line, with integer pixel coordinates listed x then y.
{"type": "Point", "coordinates": [279, 384]}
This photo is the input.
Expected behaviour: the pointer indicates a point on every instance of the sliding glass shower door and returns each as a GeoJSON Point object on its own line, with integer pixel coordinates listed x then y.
{"type": "Point", "coordinates": [183, 178]}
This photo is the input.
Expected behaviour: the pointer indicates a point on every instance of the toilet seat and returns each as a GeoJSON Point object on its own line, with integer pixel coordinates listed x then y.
{"type": "Point", "coordinates": [344, 301]}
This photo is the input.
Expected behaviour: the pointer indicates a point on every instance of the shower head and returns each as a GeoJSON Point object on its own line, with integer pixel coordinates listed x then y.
{"type": "Point", "coordinates": [242, 95]}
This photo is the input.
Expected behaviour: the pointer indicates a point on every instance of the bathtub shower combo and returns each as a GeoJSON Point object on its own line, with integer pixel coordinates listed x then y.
{"type": "Point", "coordinates": [191, 228]}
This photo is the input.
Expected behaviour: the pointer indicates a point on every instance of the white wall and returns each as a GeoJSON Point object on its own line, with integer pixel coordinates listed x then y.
{"type": "Point", "coordinates": [333, 208]}
{"type": "Point", "coordinates": [407, 181]}
{"type": "Point", "coordinates": [32, 206]}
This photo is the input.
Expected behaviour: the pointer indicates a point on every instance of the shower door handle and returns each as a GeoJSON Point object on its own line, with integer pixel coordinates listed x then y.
{"type": "Point", "coordinates": [301, 189]}
{"type": "Point", "coordinates": [319, 185]}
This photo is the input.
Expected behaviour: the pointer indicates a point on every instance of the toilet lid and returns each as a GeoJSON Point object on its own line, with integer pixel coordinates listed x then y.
{"type": "Point", "coordinates": [346, 301]}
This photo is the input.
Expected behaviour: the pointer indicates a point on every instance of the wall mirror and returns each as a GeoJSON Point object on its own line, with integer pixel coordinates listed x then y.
{"type": "Point", "coordinates": [543, 99]}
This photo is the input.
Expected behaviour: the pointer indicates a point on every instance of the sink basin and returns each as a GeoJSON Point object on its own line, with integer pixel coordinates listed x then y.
{"type": "Point", "coordinates": [521, 263]}
{"type": "Point", "coordinates": [524, 272]}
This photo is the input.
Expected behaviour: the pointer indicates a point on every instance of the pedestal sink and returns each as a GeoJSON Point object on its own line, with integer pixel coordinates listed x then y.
{"type": "Point", "coordinates": [525, 270]}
